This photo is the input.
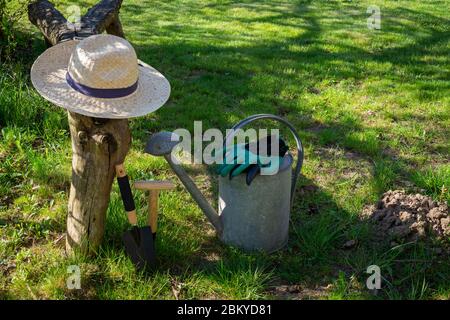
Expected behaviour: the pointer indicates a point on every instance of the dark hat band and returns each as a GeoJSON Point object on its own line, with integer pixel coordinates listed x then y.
{"type": "Point", "coordinates": [100, 93]}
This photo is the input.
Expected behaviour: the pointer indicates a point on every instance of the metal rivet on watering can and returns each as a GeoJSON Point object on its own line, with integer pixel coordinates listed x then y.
{"type": "Point", "coordinates": [252, 217]}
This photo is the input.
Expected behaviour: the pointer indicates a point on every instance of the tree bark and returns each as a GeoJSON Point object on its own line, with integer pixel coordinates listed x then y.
{"type": "Point", "coordinates": [50, 22]}
{"type": "Point", "coordinates": [97, 144]}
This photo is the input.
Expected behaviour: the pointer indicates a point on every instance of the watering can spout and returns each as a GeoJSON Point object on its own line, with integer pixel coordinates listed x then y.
{"type": "Point", "coordinates": [162, 144]}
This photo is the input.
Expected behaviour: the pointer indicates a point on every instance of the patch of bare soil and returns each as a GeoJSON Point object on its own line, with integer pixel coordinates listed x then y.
{"type": "Point", "coordinates": [399, 216]}
{"type": "Point", "coordinates": [298, 292]}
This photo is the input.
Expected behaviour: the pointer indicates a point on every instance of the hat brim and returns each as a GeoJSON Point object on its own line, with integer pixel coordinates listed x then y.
{"type": "Point", "coordinates": [48, 75]}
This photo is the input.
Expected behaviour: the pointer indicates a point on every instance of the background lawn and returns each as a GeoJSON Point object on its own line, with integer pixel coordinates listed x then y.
{"type": "Point", "coordinates": [372, 108]}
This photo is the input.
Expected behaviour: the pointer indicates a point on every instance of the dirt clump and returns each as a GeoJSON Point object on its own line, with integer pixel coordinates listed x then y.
{"type": "Point", "coordinates": [400, 216]}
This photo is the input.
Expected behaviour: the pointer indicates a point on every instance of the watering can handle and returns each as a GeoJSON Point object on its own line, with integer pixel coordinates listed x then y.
{"type": "Point", "coordinates": [300, 153]}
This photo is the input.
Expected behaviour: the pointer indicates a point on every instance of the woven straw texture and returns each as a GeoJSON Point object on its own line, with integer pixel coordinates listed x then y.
{"type": "Point", "coordinates": [101, 61]}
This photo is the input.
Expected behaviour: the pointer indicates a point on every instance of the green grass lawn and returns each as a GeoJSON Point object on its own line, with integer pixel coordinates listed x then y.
{"type": "Point", "coordinates": [372, 108]}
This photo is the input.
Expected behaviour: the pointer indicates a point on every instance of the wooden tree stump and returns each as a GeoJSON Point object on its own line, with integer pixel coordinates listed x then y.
{"type": "Point", "coordinates": [97, 144]}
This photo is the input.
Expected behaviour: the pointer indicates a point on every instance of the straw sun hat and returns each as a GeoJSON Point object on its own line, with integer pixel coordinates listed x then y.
{"type": "Point", "coordinates": [99, 76]}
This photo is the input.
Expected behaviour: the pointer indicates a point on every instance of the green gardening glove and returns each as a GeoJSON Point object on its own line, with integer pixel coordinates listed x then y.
{"type": "Point", "coordinates": [238, 158]}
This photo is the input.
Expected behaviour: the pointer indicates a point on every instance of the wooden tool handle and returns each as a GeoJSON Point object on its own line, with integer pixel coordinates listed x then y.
{"type": "Point", "coordinates": [154, 185]}
{"type": "Point", "coordinates": [125, 192]}
{"type": "Point", "coordinates": [153, 209]}
{"type": "Point", "coordinates": [154, 188]}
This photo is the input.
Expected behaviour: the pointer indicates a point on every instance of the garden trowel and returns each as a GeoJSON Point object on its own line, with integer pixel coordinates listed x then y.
{"type": "Point", "coordinates": [138, 241]}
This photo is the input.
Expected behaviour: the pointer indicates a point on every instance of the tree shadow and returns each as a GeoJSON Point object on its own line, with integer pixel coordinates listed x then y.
{"type": "Point", "coordinates": [193, 66]}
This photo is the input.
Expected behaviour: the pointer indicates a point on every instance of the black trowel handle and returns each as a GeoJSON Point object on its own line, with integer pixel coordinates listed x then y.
{"type": "Point", "coordinates": [125, 192]}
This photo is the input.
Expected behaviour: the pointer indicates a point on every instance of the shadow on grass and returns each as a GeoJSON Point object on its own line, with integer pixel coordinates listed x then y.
{"type": "Point", "coordinates": [220, 84]}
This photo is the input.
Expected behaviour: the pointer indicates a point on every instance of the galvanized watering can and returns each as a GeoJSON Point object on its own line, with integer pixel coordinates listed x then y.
{"type": "Point", "coordinates": [254, 217]}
